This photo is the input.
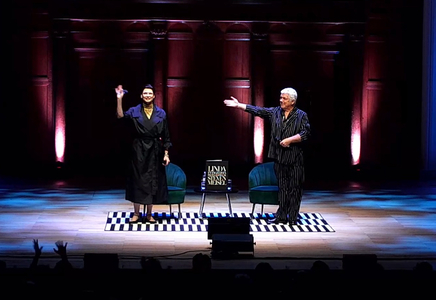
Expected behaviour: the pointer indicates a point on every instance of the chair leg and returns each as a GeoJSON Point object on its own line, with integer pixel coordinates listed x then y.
{"type": "Point", "coordinates": [261, 211]}
{"type": "Point", "coordinates": [252, 210]}
{"type": "Point", "coordinates": [180, 210]}
{"type": "Point", "coordinates": [171, 212]}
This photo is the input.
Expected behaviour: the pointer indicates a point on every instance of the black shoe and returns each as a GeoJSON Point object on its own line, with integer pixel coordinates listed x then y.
{"type": "Point", "coordinates": [149, 220]}
{"type": "Point", "coordinates": [277, 221]}
{"type": "Point", "coordinates": [135, 219]}
{"type": "Point", "coordinates": [291, 222]}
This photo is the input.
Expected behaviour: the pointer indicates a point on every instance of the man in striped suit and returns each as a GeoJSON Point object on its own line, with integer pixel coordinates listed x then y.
{"type": "Point", "coordinates": [289, 128]}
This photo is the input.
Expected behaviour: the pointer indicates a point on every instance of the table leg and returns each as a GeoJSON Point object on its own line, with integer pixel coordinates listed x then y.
{"type": "Point", "coordinates": [230, 205]}
{"type": "Point", "coordinates": [203, 198]}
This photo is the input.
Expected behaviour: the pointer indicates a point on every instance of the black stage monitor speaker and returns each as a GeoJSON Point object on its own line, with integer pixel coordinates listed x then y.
{"type": "Point", "coordinates": [223, 244]}
{"type": "Point", "coordinates": [227, 225]}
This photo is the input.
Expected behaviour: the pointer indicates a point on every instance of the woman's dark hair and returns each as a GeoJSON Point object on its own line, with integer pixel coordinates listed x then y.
{"type": "Point", "coordinates": [149, 86]}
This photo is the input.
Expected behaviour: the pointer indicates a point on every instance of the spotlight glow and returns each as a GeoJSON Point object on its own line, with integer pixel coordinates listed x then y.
{"type": "Point", "coordinates": [258, 140]}
{"type": "Point", "coordinates": [60, 129]}
{"type": "Point", "coordinates": [60, 140]}
{"type": "Point", "coordinates": [355, 146]}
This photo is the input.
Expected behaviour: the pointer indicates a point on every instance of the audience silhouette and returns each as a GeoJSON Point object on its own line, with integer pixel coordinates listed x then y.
{"type": "Point", "coordinates": [242, 285]}
{"type": "Point", "coordinates": [265, 281]}
{"type": "Point", "coordinates": [201, 273]}
{"type": "Point", "coordinates": [201, 263]}
{"type": "Point", "coordinates": [152, 277]}
{"type": "Point", "coordinates": [40, 281]}
{"type": "Point", "coordinates": [423, 279]}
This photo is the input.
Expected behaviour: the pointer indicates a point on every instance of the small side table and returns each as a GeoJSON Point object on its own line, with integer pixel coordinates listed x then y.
{"type": "Point", "coordinates": [205, 192]}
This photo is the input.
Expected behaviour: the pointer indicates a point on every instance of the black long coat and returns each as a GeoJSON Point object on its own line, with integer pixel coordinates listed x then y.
{"type": "Point", "coordinates": [146, 179]}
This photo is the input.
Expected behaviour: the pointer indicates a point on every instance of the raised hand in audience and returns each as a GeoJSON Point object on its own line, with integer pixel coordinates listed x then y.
{"type": "Point", "coordinates": [38, 252]}
{"type": "Point", "coordinates": [61, 250]}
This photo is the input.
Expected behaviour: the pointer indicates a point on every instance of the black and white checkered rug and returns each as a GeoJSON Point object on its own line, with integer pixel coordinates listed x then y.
{"type": "Point", "coordinates": [193, 222]}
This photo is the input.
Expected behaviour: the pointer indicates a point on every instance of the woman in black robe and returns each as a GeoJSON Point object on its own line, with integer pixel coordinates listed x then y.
{"type": "Point", "coordinates": [146, 180]}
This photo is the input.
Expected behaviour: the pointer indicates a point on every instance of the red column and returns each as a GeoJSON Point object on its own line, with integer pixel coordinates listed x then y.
{"type": "Point", "coordinates": [259, 56]}
{"type": "Point", "coordinates": [159, 39]}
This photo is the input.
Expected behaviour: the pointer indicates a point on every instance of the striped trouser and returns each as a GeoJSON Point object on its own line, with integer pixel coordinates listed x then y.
{"type": "Point", "coordinates": [290, 182]}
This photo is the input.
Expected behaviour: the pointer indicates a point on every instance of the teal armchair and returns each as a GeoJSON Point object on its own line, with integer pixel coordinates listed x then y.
{"type": "Point", "coordinates": [262, 185]}
{"type": "Point", "coordinates": [176, 181]}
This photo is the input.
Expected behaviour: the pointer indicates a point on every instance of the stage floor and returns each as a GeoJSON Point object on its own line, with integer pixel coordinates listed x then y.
{"type": "Point", "coordinates": [396, 221]}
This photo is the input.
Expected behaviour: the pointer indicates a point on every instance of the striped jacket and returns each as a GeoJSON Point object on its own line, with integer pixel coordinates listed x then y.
{"type": "Point", "coordinates": [297, 122]}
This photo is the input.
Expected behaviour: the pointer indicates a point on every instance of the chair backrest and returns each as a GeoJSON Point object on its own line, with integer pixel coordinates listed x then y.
{"type": "Point", "coordinates": [262, 174]}
{"type": "Point", "coordinates": [175, 176]}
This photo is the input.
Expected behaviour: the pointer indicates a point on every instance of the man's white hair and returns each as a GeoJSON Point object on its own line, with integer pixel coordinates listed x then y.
{"type": "Point", "coordinates": [291, 92]}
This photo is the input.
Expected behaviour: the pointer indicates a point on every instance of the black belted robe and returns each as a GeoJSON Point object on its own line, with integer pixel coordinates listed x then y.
{"type": "Point", "coordinates": [146, 179]}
